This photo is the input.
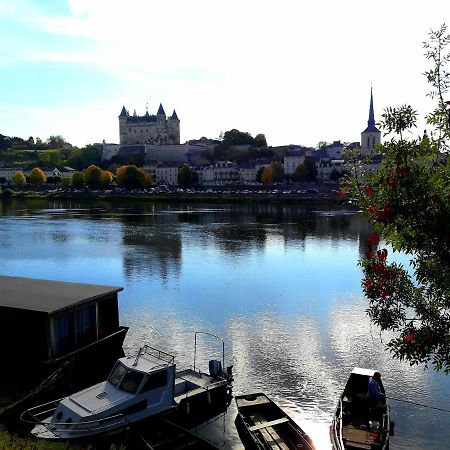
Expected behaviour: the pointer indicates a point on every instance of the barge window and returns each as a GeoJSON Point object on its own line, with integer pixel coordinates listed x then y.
{"type": "Point", "coordinates": [116, 374]}
{"type": "Point", "coordinates": [155, 380]}
{"type": "Point", "coordinates": [131, 381]}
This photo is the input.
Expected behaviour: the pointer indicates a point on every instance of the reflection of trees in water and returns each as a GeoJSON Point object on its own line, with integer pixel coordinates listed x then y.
{"type": "Point", "coordinates": [149, 250]}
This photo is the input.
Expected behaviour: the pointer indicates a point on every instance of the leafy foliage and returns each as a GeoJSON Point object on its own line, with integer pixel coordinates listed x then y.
{"type": "Point", "coordinates": [186, 176]}
{"type": "Point", "coordinates": [78, 180]}
{"type": "Point", "coordinates": [92, 176]}
{"type": "Point", "coordinates": [19, 179]}
{"type": "Point", "coordinates": [131, 177]}
{"type": "Point", "coordinates": [37, 177]}
{"type": "Point", "coordinates": [408, 202]}
{"type": "Point", "coordinates": [307, 171]}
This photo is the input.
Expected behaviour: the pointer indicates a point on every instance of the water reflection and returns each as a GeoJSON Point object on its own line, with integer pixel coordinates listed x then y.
{"type": "Point", "coordinates": [279, 283]}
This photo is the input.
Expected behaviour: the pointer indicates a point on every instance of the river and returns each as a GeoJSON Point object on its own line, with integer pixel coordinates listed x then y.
{"type": "Point", "coordinates": [280, 284]}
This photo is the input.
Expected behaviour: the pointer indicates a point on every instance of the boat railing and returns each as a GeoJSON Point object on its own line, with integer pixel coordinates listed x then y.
{"type": "Point", "coordinates": [155, 353]}
{"type": "Point", "coordinates": [38, 413]}
{"type": "Point", "coordinates": [206, 388]}
{"type": "Point", "coordinates": [213, 336]}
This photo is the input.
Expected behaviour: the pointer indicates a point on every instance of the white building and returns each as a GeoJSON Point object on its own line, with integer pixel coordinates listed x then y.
{"type": "Point", "coordinates": [292, 160]}
{"type": "Point", "coordinates": [247, 174]}
{"type": "Point", "coordinates": [166, 174]}
{"type": "Point", "coordinates": [8, 172]}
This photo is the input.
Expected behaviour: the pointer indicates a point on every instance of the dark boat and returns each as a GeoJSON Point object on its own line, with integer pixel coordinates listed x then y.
{"type": "Point", "coordinates": [359, 422]}
{"type": "Point", "coordinates": [262, 425]}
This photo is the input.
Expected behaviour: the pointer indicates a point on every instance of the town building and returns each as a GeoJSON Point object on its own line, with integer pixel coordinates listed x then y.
{"type": "Point", "coordinates": [371, 136]}
{"type": "Point", "coordinates": [7, 173]}
{"type": "Point", "coordinates": [155, 129]}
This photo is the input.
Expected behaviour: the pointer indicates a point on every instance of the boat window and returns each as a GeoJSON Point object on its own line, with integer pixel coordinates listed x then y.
{"type": "Point", "coordinates": [116, 374]}
{"type": "Point", "coordinates": [131, 381]}
{"type": "Point", "coordinates": [155, 380]}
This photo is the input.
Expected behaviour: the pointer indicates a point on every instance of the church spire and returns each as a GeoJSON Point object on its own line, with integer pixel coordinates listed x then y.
{"type": "Point", "coordinates": [371, 121]}
{"type": "Point", "coordinates": [371, 127]}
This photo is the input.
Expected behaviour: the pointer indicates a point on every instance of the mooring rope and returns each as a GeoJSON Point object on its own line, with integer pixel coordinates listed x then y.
{"type": "Point", "coordinates": [419, 404]}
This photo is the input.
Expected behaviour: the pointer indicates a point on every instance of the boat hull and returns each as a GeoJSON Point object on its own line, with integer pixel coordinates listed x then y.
{"type": "Point", "coordinates": [261, 424]}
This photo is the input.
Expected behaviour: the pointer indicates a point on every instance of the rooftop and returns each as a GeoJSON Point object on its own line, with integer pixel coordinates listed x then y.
{"type": "Point", "coordinates": [48, 296]}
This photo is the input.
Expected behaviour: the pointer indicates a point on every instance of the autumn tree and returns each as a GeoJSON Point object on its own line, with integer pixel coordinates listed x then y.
{"type": "Point", "coordinates": [92, 176]}
{"type": "Point", "coordinates": [407, 200]}
{"type": "Point", "coordinates": [132, 177]}
{"type": "Point", "coordinates": [19, 179]}
{"type": "Point", "coordinates": [106, 178]}
{"type": "Point", "coordinates": [37, 177]}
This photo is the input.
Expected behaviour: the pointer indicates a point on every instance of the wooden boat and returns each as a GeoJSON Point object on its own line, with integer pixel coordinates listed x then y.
{"type": "Point", "coordinates": [262, 425]}
{"type": "Point", "coordinates": [138, 388]}
{"type": "Point", "coordinates": [359, 422]}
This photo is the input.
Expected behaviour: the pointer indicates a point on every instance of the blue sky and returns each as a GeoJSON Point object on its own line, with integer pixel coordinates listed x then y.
{"type": "Point", "coordinates": [296, 71]}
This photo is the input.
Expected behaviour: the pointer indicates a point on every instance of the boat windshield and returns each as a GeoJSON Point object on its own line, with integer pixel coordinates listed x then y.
{"type": "Point", "coordinates": [117, 374]}
{"type": "Point", "coordinates": [131, 381]}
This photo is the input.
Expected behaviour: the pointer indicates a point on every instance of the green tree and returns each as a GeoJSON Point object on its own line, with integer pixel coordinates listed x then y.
{"type": "Point", "coordinates": [92, 176]}
{"type": "Point", "coordinates": [65, 182]}
{"type": "Point", "coordinates": [408, 202]}
{"type": "Point", "coordinates": [277, 172]}
{"type": "Point", "coordinates": [260, 140]}
{"type": "Point", "coordinates": [186, 176]}
{"type": "Point", "coordinates": [19, 179]}
{"type": "Point", "coordinates": [259, 174]}
{"type": "Point", "coordinates": [37, 177]}
{"type": "Point", "coordinates": [56, 141]}
{"type": "Point", "coordinates": [78, 180]}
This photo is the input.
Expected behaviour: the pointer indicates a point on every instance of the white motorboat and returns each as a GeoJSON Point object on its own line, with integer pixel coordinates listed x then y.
{"type": "Point", "coordinates": [138, 387]}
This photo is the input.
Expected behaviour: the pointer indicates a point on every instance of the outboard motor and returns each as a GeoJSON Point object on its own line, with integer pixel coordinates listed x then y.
{"type": "Point", "coordinates": [229, 374]}
{"type": "Point", "coordinates": [215, 368]}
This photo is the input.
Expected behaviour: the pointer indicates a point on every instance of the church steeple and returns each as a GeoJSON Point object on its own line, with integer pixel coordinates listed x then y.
{"type": "Point", "coordinates": [371, 136]}
{"type": "Point", "coordinates": [371, 127]}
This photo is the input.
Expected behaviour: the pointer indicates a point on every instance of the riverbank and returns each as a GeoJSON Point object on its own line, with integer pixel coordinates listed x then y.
{"type": "Point", "coordinates": [216, 197]}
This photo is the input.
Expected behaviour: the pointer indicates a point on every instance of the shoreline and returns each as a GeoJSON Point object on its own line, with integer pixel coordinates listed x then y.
{"type": "Point", "coordinates": [177, 197]}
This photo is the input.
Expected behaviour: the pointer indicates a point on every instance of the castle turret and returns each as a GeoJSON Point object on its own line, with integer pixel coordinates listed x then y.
{"type": "Point", "coordinates": [161, 111]}
{"type": "Point", "coordinates": [174, 128]}
{"type": "Point", "coordinates": [371, 136]}
{"type": "Point", "coordinates": [123, 116]}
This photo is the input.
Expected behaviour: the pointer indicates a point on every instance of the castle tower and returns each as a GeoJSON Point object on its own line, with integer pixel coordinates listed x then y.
{"type": "Point", "coordinates": [174, 128]}
{"type": "Point", "coordinates": [371, 136]}
{"type": "Point", "coordinates": [123, 116]}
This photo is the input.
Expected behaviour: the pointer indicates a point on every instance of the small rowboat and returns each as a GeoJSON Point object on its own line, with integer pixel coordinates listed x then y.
{"type": "Point", "coordinates": [262, 425]}
{"type": "Point", "coordinates": [359, 422]}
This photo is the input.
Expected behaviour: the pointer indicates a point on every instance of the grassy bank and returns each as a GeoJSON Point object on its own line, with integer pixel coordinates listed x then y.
{"type": "Point", "coordinates": [180, 198]}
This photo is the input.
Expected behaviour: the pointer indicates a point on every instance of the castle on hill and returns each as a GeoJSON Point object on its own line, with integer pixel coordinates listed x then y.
{"type": "Point", "coordinates": [155, 129]}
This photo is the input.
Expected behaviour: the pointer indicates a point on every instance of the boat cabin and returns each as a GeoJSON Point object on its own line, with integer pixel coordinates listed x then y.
{"type": "Point", "coordinates": [44, 320]}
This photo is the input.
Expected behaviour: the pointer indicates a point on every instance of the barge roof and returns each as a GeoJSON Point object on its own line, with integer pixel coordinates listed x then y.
{"type": "Point", "coordinates": [48, 296]}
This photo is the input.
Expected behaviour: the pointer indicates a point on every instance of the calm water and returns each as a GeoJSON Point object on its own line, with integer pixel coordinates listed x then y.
{"type": "Point", "coordinates": [279, 283]}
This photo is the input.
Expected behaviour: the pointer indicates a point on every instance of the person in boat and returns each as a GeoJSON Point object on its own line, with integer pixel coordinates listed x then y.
{"type": "Point", "coordinates": [375, 388]}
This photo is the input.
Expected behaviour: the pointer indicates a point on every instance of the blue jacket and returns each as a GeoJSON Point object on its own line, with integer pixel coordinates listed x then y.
{"type": "Point", "coordinates": [375, 389]}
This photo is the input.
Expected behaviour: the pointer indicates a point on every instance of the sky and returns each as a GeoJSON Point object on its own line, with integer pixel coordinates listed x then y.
{"type": "Point", "coordinates": [300, 72]}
